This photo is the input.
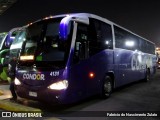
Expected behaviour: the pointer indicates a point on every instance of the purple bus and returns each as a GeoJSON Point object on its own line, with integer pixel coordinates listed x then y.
{"type": "Point", "coordinates": [67, 58]}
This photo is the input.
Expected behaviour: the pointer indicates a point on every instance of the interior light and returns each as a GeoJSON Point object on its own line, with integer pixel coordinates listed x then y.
{"type": "Point", "coordinates": [29, 57]}
{"type": "Point", "coordinates": [107, 42]}
{"type": "Point", "coordinates": [129, 43]}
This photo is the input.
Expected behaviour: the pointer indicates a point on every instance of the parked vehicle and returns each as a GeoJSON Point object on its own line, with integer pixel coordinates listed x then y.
{"type": "Point", "coordinates": [6, 40]}
{"type": "Point", "coordinates": [3, 51]}
{"type": "Point", "coordinates": [14, 50]}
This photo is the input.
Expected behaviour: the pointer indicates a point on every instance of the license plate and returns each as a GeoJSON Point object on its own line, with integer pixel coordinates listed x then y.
{"type": "Point", "coordinates": [33, 94]}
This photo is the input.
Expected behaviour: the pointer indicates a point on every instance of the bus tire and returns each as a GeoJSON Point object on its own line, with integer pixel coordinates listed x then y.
{"type": "Point", "coordinates": [147, 76]}
{"type": "Point", "coordinates": [107, 87]}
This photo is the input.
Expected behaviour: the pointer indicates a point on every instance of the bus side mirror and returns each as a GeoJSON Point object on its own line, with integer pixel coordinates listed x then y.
{"type": "Point", "coordinates": [64, 28]}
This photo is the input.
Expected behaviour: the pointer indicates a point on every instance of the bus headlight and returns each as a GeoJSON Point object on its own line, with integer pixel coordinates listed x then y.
{"type": "Point", "coordinates": [60, 85]}
{"type": "Point", "coordinates": [17, 82]}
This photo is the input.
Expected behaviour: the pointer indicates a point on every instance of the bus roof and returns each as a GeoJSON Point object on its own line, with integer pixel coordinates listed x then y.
{"type": "Point", "coordinates": [90, 15]}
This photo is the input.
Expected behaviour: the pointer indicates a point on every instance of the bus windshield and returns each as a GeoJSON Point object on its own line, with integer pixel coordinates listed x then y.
{"type": "Point", "coordinates": [43, 44]}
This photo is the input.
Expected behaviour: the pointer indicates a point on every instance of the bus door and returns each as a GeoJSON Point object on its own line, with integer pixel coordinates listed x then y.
{"type": "Point", "coordinates": [80, 66]}
{"type": "Point", "coordinates": [83, 71]}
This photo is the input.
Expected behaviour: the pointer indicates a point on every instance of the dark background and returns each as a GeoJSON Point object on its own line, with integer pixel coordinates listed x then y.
{"type": "Point", "coordinates": [141, 17]}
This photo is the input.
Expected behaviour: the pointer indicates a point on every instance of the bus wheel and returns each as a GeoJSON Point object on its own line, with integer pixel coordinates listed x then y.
{"type": "Point", "coordinates": [147, 76]}
{"type": "Point", "coordinates": [107, 87]}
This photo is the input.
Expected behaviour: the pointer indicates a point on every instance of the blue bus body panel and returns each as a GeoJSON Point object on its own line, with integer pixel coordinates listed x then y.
{"type": "Point", "coordinates": [80, 84]}
{"type": "Point", "coordinates": [81, 73]}
{"type": "Point", "coordinates": [130, 66]}
{"type": "Point", "coordinates": [119, 62]}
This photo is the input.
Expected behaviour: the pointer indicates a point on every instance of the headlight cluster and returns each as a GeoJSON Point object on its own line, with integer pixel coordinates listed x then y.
{"type": "Point", "coordinates": [17, 82]}
{"type": "Point", "coordinates": [60, 85]}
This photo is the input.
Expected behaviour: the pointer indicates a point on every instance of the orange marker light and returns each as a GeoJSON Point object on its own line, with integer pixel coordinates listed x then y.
{"type": "Point", "coordinates": [29, 24]}
{"type": "Point", "coordinates": [91, 75]}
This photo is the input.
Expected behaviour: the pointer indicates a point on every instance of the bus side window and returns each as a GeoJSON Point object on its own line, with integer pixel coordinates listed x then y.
{"type": "Point", "coordinates": [92, 38]}
{"type": "Point", "coordinates": [125, 39]}
{"type": "Point", "coordinates": [106, 36]}
{"type": "Point", "coordinates": [100, 36]}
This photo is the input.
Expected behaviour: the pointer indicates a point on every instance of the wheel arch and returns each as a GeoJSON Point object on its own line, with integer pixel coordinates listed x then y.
{"type": "Point", "coordinates": [111, 74]}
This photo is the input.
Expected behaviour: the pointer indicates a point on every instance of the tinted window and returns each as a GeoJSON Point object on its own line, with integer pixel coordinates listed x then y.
{"type": "Point", "coordinates": [100, 36]}
{"type": "Point", "coordinates": [125, 40]}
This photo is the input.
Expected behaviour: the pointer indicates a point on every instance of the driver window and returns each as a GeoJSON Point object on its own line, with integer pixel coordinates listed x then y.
{"type": "Point", "coordinates": [81, 41]}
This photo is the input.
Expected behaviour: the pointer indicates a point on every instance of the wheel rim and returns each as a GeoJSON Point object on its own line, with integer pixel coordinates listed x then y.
{"type": "Point", "coordinates": [107, 88]}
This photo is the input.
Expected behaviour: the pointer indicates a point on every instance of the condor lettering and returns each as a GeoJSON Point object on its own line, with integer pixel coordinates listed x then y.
{"type": "Point", "coordinates": [33, 76]}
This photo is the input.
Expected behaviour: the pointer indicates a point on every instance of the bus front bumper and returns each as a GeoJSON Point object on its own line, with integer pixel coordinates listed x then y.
{"type": "Point", "coordinates": [42, 95]}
